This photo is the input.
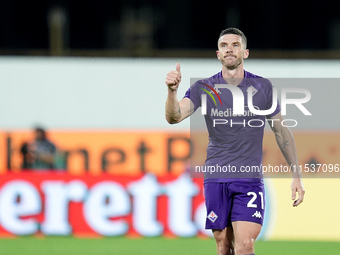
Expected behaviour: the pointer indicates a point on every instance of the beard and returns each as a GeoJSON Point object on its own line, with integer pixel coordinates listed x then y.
{"type": "Point", "coordinates": [231, 64]}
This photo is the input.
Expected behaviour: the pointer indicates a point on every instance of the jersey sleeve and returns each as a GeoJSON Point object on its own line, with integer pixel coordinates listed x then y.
{"type": "Point", "coordinates": [193, 94]}
{"type": "Point", "coordinates": [270, 101]}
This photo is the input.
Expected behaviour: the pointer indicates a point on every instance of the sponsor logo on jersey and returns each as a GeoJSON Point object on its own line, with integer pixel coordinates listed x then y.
{"type": "Point", "coordinates": [228, 112]}
{"type": "Point", "coordinates": [213, 91]}
{"type": "Point", "coordinates": [257, 214]}
{"type": "Point", "coordinates": [212, 216]}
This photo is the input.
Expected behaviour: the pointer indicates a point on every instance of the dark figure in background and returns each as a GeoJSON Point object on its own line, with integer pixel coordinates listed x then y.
{"type": "Point", "coordinates": [27, 156]}
{"type": "Point", "coordinates": [39, 154]}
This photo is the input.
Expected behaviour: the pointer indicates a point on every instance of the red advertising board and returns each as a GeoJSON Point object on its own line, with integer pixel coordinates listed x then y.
{"type": "Point", "coordinates": [103, 205]}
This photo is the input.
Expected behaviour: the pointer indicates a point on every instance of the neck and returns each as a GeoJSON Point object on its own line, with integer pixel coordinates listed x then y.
{"type": "Point", "coordinates": [235, 76]}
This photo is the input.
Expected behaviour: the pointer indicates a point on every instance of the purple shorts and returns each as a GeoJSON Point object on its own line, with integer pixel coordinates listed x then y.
{"type": "Point", "coordinates": [233, 201]}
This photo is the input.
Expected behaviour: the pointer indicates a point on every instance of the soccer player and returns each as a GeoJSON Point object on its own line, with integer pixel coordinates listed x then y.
{"type": "Point", "coordinates": [234, 200]}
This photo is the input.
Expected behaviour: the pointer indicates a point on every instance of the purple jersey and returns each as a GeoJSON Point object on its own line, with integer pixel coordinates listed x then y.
{"type": "Point", "coordinates": [235, 141]}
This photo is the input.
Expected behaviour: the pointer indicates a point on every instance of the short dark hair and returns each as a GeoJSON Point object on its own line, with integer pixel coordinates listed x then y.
{"type": "Point", "coordinates": [234, 31]}
{"type": "Point", "coordinates": [40, 130]}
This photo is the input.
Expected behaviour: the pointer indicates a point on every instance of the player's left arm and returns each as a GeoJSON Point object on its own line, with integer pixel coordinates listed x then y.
{"type": "Point", "coordinates": [286, 143]}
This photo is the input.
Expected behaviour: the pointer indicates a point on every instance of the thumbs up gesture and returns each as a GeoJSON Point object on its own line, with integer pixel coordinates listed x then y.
{"type": "Point", "coordinates": [174, 78]}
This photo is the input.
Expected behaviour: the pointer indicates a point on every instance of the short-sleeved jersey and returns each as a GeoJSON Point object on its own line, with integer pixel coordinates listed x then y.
{"type": "Point", "coordinates": [235, 140]}
{"type": "Point", "coordinates": [44, 147]}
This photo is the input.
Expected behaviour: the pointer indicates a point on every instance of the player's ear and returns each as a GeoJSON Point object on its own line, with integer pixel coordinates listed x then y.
{"type": "Point", "coordinates": [245, 53]}
{"type": "Point", "coordinates": [218, 55]}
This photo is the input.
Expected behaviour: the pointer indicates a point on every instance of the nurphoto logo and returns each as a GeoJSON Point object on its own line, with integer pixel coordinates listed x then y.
{"type": "Point", "coordinates": [239, 108]}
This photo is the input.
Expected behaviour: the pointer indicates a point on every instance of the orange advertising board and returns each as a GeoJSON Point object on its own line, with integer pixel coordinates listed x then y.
{"type": "Point", "coordinates": [116, 152]}
{"type": "Point", "coordinates": [158, 152]}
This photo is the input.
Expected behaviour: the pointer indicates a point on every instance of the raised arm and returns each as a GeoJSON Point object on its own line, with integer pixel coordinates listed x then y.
{"type": "Point", "coordinates": [286, 143]}
{"type": "Point", "coordinates": [176, 111]}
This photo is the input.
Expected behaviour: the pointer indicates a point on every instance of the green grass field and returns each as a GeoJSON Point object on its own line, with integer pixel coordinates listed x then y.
{"type": "Point", "coordinates": [150, 246]}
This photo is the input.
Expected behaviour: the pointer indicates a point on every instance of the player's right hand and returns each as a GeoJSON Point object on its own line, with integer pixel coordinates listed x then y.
{"type": "Point", "coordinates": [174, 78]}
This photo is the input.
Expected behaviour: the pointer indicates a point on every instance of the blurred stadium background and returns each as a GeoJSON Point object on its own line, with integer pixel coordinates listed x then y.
{"type": "Point", "coordinates": [92, 73]}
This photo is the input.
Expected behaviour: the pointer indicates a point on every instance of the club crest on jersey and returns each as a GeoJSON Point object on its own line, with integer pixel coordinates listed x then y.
{"type": "Point", "coordinates": [253, 90]}
{"type": "Point", "coordinates": [212, 216]}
